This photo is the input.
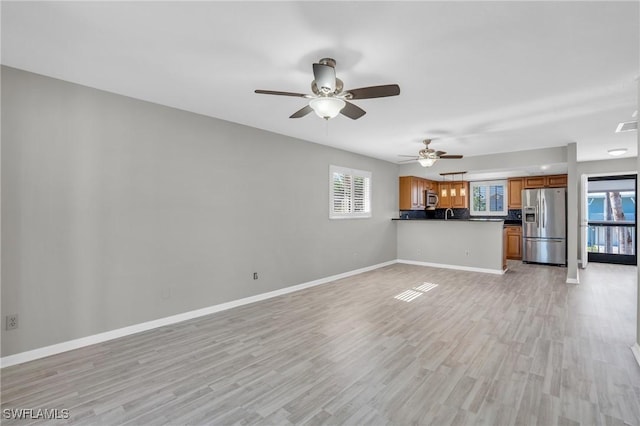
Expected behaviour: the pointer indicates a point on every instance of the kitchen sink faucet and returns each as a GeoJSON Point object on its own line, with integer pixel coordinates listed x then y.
{"type": "Point", "coordinates": [446, 213]}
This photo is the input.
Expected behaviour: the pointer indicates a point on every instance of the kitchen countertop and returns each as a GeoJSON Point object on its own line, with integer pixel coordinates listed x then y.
{"type": "Point", "coordinates": [506, 221]}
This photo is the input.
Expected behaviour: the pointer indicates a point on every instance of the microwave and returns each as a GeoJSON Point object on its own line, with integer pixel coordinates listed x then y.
{"type": "Point", "coordinates": [430, 199]}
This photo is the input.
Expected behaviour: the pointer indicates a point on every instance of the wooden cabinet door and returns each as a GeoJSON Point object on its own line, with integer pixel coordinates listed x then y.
{"type": "Point", "coordinates": [405, 193]}
{"type": "Point", "coordinates": [556, 181]}
{"type": "Point", "coordinates": [418, 185]}
{"type": "Point", "coordinates": [444, 199]}
{"type": "Point", "coordinates": [535, 182]}
{"type": "Point", "coordinates": [515, 193]}
{"type": "Point", "coordinates": [411, 196]}
{"type": "Point", "coordinates": [514, 242]}
{"type": "Point", "coordinates": [415, 191]}
{"type": "Point", "coordinates": [459, 201]}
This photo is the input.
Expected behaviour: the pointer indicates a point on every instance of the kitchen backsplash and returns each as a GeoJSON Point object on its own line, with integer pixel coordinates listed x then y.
{"type": "Point", "coordinates": [514, 214]}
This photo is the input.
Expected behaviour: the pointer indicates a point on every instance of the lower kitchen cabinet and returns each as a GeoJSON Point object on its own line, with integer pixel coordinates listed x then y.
{"type": "Point", "coordinates": [514, 242]}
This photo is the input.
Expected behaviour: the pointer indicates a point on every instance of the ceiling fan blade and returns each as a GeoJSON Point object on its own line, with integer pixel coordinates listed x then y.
{"type": "Point", "coordinates": [412, 156]}
{"type": "Point", "coordinates": [439, 153]}
{"type": "Point", "coordinates": [301, 112]}
{"type": "Point", "coordinates": [352, 111]}
{"type": "Point", "coordinates": [450, 157]}
{"type": "Point", "coordinates": [407, 161]}
{"type": "Point", "coordinates": [325, 77]}
{"type": "Point", "coordinates": [375, 91]}
{"type": "Point", "coordinates": [274, 92]}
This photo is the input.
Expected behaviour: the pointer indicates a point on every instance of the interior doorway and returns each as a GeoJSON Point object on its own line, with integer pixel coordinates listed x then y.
{"type": "Point", "coordinates": [611, 219]}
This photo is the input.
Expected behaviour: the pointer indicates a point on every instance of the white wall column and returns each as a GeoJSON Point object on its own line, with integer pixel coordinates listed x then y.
{"type": "Point", "coordinates": [572, 213]}
{"type": "Point", "coordinates": [636, 347]}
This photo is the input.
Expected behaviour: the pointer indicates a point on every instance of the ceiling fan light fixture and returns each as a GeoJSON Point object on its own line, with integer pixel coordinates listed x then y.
{"type": "Point", "coordinates": [617, 152]}
{"type": "Point", "coordinates": [327, 107]}
{"type": "Point", "coordinates": [426, 162]}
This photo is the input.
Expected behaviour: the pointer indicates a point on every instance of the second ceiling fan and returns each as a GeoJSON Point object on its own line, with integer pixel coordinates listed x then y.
{"type": "Point", "coordinates": [428, 156]}
{"type": "Point", "coordinates": [329, 99]}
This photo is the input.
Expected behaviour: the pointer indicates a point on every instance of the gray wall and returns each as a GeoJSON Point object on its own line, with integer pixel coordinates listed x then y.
{"type": "Point", "coordinates": [117, 211]}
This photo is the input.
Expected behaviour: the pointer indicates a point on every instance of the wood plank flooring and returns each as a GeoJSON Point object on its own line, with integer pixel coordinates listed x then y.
{"type": "Point", "coordinates": [524, 348]}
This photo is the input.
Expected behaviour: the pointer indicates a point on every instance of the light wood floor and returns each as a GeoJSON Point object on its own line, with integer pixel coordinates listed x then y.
{"type": "Point", "coordinates": [523, 348]}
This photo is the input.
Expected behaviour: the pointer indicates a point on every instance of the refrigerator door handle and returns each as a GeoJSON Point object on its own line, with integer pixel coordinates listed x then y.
{"type": "Point", "coordinates": [543, 212]}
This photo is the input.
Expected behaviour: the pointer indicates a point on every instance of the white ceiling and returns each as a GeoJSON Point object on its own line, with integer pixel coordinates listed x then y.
{"type": "Point", "coordinates": [482, 77]}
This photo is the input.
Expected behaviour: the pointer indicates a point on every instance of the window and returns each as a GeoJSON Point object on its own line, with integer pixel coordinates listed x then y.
{"type": "Point", "coordinates": [488, 198]}
{"type": "Point", "coordinates": [349, 193]}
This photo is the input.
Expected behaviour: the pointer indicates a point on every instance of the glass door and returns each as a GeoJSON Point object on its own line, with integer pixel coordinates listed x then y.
{"type": "Point", "coordinates": [611, 203]}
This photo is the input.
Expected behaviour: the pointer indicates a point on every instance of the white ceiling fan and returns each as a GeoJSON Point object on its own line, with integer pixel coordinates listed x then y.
{"type": "Point", "coordinates": [427, 157]}
{"type": "Point", "coordinates": [329, 99]}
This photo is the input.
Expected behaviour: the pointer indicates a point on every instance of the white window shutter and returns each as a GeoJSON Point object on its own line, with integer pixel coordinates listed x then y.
{"type": "Point", "coordinates": [349, 192]}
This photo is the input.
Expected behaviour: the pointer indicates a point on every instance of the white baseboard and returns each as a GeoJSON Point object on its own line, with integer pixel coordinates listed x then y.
{"type": "Point", "coordinates": [457, 267]}
{"type": "Point", "coordinates": [57, 348]}
{"type": "Point", "coordinates": [636, 352]}
{"type": "Point", "coordinates": [575, 280]}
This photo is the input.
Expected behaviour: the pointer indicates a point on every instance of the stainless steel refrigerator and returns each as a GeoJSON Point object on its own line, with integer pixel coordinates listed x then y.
{"type": "Point", "coordinates": [544, 225]}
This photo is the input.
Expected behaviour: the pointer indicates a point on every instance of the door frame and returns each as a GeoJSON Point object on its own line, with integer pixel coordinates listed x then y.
{"type": "Point", "coordinates": [606, 257]}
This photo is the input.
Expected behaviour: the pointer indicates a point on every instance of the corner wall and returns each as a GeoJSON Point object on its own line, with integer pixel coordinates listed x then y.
{"type": "Point", "coordinates": [117, 211]}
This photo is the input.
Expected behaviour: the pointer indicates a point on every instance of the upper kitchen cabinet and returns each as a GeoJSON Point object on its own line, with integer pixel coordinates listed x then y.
{"type": "Point", "coordinates": [459, 195]}
{"type": "Point", "coordinates": [444, 199]}
{"type": "Point", "coordinates": [556, 181]}
{"type": "Point", "coordinates": [515, 192]}
{"type": "Point", "coordinates": [409, 193]}
{"type": "Point", "coordinates": [551, 181]}
{"type": "Point", "coordinates": [412, 192]}
{"type": "Point", "coordinates": [453, 195]}
{"type": "Point", "coordinates": [535, 182]}
{"type": "Point", "coordinates": [431, 185]}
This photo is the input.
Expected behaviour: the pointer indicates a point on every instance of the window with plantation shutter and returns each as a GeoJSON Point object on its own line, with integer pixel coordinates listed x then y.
{"type": "Point", "coordinates": [349, 193]}
{"type": "Point", "coordinates": [488, 198]}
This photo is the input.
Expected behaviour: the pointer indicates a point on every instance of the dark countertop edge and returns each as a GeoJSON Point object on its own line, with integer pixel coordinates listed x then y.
{"type": "Point", "coordinates": [507, 222]}
{"type": "Point", "coordinates": [451, 220]}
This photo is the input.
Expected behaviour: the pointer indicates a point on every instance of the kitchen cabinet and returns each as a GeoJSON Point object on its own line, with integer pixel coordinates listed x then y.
{"type": "Point", "coordinates": [513, 242]}
{"type": "Point", "coordinates": [550, 181]}
{"type": "Point", "coordinates": [515, 186]}
{"type": "Point", "coordinates": [444, 199]}
{"type": "Point", "coordinates": [535, 182]}
{"type": "Point", "coordinates": [459, 201]}
{"type": "Point", "coordinates": [430, 185]}
{"type": "Point", "coordinates": [556, 181]}
{"type": "Point", "coordinates": [411, 195]}
{"type": "Point", "coordinates": [447, 200]}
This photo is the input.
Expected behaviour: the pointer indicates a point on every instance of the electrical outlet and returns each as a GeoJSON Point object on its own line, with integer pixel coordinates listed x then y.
{"type": "Point", "coordinates": [255, 275]}
{"type": "Point", "coordinates": [11, 322]}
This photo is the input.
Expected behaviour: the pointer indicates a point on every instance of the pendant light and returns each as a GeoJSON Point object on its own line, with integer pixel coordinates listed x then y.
{"type": "Point", "coordinates": [453, 188]}
{"type": "Point", "coordinates": [443, 191]}
{"type": "Point", "coordinates": [463, 189]}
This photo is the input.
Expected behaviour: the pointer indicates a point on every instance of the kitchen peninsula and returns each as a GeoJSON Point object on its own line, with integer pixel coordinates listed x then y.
{"type": "Point", "coordinates": [472, 244]}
